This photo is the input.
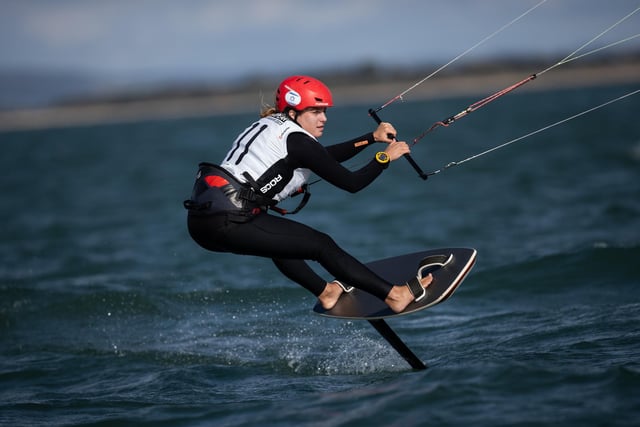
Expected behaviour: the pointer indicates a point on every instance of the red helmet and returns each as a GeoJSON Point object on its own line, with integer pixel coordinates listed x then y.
{"type": "Point", "coordinates": [300, 92]}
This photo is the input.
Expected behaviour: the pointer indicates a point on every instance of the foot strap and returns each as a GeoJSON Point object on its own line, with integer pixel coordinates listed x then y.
{"type": "Point", "coordinates": [416, 288]}
{"type": "Point", "coordinates": [432, 263]}
{"type": "Point", "coordinates": [344, 287]}
{"type": "Point", "coordinates": [426, 266]}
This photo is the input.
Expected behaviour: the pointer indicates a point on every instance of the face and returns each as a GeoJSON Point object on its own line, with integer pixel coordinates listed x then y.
{"type": "Point", "coordinates": [312, 120]}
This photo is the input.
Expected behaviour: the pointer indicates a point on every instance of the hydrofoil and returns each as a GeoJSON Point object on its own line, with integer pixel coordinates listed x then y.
{"type": "Point", "coordinates": [449, 267]}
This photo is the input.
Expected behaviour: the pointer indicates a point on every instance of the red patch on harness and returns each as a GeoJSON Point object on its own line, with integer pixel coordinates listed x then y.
{"type": "Point", "coordinates": [215, 181]}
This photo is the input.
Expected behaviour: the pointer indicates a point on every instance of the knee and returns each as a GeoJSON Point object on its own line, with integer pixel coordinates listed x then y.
{"type": "Point", "coordinates": [326, 240]}
{"type": "Point", "coordinates": [327, 246]}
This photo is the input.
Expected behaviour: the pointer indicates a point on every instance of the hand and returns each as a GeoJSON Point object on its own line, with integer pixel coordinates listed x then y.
{"type": "Point", "coordinates": [385, 133]}
{"type": "Point", "coordinates": [397, 149]}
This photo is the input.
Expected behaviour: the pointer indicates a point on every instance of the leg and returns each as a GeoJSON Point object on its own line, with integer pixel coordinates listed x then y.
{"type": "Point", "coordinates": [299, 271]}
{"type": "Point", "coordinates": [289, 243]}
{"type": "Point", "coordinates": [283, 239]}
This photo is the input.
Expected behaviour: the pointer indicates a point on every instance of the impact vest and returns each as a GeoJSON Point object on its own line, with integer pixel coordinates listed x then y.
{"type": "Point", "coordinates": [259, 157]}
{"type": "Point", "coordinates": [254, 176]}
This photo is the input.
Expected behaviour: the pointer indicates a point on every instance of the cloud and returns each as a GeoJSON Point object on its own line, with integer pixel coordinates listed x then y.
{"type": "Point", "coordinates": [215, 38]}
{"type": "Point", "coordinates": [67, 26]}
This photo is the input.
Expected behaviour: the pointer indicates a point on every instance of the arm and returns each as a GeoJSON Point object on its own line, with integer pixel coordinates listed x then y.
{"type": "Point", "coordinates": [385, 132]}
{"type": "Point", "coordinates": [306, 152]}
{"type": "Point", "coordinates": [345, 150]}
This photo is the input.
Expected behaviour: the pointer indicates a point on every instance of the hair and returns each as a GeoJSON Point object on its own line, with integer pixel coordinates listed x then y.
{"type": "Point", "coordinates": [267, 110]}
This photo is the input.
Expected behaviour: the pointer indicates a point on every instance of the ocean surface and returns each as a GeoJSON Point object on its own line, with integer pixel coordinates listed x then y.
{"type": "Point", "coordinates": [111, 315]}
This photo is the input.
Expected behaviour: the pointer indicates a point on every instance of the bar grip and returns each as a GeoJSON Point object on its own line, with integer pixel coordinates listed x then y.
{"type": "Point", "coordinates": [407, 156]}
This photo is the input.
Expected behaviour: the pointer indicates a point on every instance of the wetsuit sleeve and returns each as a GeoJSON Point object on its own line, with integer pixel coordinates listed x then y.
{"type": "Point", "coordinates": [346, 150]}
{"type": "Point", "coordinates": [305, 152]}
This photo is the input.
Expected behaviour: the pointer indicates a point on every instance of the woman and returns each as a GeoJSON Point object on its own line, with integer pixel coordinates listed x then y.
{"type": "Point", "coordinates": [272, 160]}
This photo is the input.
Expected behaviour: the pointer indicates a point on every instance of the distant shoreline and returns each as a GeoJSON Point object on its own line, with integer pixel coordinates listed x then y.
{"type": "Point", "coordinates": [345, 93]}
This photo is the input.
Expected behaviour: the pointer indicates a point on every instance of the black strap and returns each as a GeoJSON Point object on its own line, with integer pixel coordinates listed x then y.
{"type": "Point", "coordinates": [305, 198]}
{"type": "Point", "coordinates": [416, 288]}
{"type": "Point", "coordinates": [253, 196]}
{"type": "Point", "coordinates": [248, 194]}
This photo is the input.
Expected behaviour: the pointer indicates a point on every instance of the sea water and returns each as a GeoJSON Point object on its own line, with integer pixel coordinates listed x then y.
{"type": "Point", "coordinates": [111, 315]}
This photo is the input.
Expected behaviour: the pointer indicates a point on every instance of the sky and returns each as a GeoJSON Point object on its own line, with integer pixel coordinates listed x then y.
{"type": "Point", "coordinates": [148, 40]}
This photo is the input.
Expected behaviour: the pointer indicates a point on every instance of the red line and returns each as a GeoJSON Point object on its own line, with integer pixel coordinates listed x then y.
{"type": "Point", "coordinates": [473, 107]}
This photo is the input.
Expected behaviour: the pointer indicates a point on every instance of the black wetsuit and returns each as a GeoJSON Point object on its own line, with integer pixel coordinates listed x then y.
{"type": "Point", "coordinates": [289, 243]}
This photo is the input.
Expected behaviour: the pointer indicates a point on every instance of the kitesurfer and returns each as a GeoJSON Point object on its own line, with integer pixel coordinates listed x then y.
{"type": "Point", "coordinates": [270, 161]}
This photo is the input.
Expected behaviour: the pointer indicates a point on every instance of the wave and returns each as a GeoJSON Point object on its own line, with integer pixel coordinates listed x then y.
{"type": "Point", "coordinates": [600, 268]}
{"type": "Point", "coordinates": [595, 266]}
{"type": "Point", "coordinates": [515, 305]}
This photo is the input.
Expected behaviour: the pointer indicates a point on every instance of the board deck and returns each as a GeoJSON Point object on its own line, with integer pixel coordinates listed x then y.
{"type": "Point", "coordinates": [359, 304]}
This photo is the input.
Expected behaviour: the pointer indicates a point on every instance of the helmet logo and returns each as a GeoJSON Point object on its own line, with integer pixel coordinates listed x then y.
{"type": "Point", "coordinates": [292, 97]}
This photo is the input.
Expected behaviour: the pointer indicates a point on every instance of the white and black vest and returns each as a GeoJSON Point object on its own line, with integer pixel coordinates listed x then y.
{"type": "Point", "coordinates": [259, 158]}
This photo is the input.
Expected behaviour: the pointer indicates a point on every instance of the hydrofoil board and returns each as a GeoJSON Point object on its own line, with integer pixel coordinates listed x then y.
{"type": "Point", "coordinates": [449, 268]}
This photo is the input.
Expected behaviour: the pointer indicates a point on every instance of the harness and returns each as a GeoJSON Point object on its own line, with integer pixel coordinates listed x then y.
{"type": "Point", "coordinates": [217, 192]}
{"type": "Point", "coordinates": [304, 190]}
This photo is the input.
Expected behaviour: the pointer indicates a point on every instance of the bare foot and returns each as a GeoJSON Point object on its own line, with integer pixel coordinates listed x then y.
{"type": "Point", "coordinates": [400, 296]}
{"type": "Point", "coordinates": [329, 297]}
